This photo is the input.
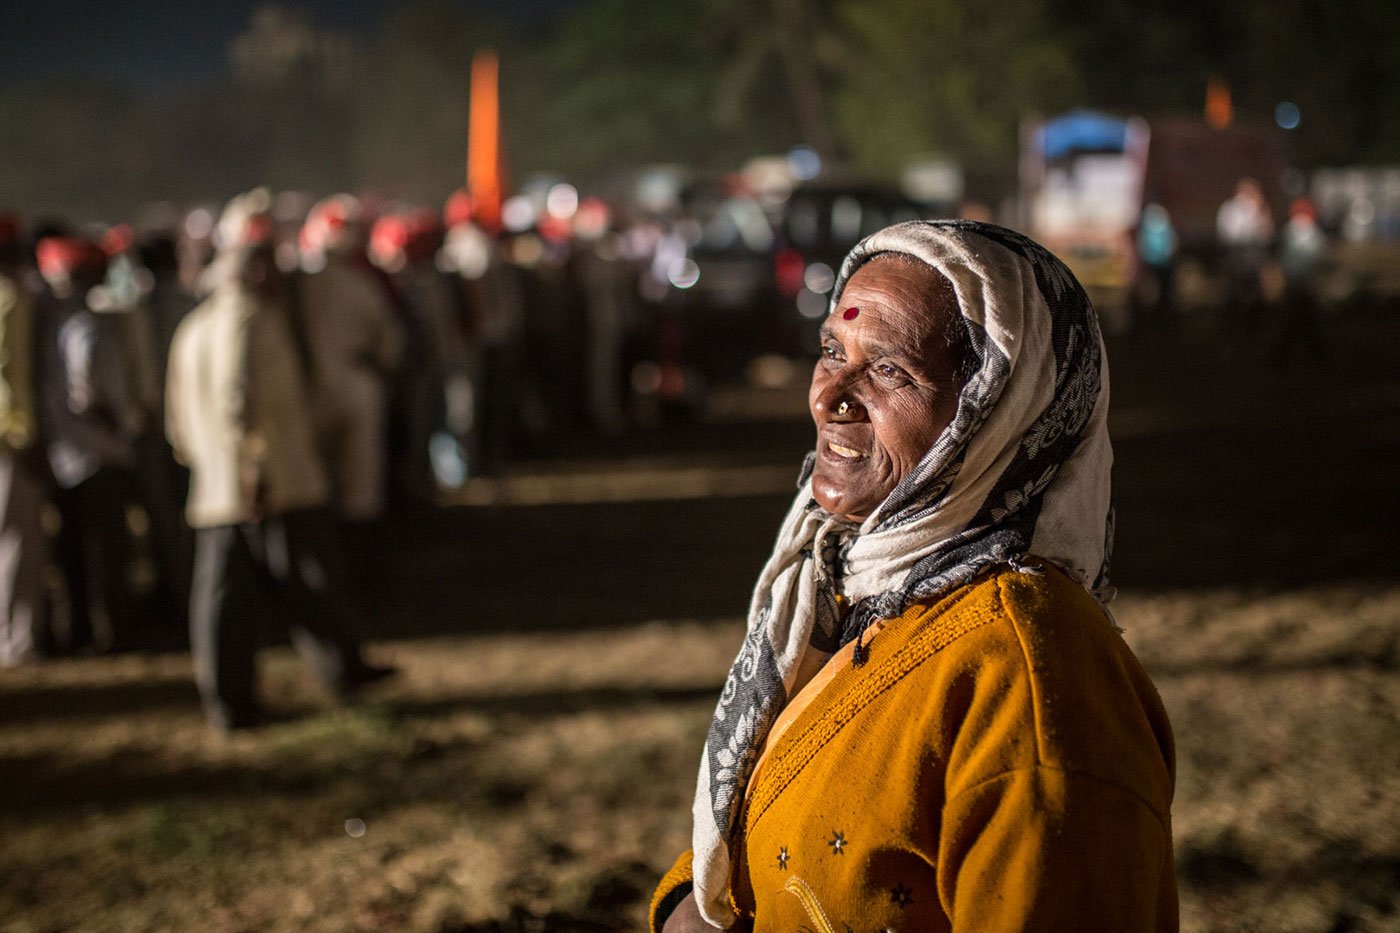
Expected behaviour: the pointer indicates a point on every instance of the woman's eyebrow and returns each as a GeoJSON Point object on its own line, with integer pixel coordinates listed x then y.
{"type": "Point", "coordinates": [899, 352]}
{"type": "Point", "coordinates": [872, 350]}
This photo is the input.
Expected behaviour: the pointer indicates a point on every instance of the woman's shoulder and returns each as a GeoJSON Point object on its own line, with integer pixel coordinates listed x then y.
{"type": "Point", "coordinates": [1032, 651]}
{"type": "Point", "coordinates": [1031, 637]}
{"type": "Point", "coordinates": [1037, 612]}
{"type": "Point", "coordinates": [1035, 624]}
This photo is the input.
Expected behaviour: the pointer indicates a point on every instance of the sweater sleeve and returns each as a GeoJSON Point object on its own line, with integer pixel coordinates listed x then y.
{"type": "Point", "coordinates": [1042, 848]}
{"type": "Point", "coordinates": [673, 888]}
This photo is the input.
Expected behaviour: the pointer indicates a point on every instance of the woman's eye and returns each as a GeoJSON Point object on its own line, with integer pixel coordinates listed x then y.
{"type": "Point", "coordinates": [888, 371]}
{"type": "Point", "coordinates": [829, 353]}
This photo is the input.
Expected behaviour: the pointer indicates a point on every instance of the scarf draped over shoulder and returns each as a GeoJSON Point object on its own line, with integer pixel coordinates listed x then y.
{"type": "Point", "coordinates": [1024, 468]}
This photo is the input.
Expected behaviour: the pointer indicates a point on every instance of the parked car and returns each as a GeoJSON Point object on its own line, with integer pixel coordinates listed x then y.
{"type": "Point", "coordinates": [724, 291]}
{"type": "Point", "coordinates": [715, 305]}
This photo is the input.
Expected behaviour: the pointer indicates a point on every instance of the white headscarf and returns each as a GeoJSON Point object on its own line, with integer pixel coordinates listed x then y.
{"type": "Point", "coordinates": [1023, 469]}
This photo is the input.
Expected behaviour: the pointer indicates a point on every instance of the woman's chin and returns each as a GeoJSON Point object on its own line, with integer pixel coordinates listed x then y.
{"type": "Point", "coordinates": [838, 501]}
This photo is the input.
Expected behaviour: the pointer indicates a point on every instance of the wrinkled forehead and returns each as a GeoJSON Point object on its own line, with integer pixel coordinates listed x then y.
{"type": "Point", "coordinates": [893, 278]}
{"type": "Point", "coordinates": [987, 278]}
{"type": "Point", "coordinates": [894, 292]}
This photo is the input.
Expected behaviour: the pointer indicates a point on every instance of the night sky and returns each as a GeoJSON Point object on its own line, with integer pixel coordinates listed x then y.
{"type": "Point", "coordinates": [160, 44]}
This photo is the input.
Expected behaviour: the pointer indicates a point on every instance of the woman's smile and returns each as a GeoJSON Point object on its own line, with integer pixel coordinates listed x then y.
{"type": "Point", "coordinates": [843, 452]}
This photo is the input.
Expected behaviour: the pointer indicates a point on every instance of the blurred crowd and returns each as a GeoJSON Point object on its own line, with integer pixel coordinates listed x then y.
{"type": "Point", "coordinates": [206, 420]}
{"type": "Point", "coordinates": [1270, 273]}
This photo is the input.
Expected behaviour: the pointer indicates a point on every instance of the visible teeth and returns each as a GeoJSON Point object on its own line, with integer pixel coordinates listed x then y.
{"type": "Point", "coordinates": [843, 451]}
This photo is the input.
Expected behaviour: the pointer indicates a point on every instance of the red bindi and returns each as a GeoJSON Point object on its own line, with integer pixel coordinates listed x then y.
{"type": "Point", "coordinates": [851, 314]}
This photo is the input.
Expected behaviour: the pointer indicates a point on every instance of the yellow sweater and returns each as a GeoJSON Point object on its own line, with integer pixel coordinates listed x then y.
{"type": "Point", "coordinates": [1001, 762]}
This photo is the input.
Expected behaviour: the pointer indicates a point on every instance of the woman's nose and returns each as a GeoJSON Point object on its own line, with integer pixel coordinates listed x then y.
{"type": "Point", "coordinates": [837, 401]}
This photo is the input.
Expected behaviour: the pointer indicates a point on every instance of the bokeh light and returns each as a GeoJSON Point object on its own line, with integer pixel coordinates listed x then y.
{"type": "Point", "coordinates": [562, 201]}
{"type": "Point", "coordinates": [518, 213]}
{"type": "Point", "coordinates": [804, 163]}
{"type": "Point", "coordinates": [683, 273]}
{"type": "Point", "coordinates": [819, 277]}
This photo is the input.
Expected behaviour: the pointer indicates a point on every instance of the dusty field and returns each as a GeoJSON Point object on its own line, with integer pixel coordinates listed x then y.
{"type": "Point", "coordinates": [541, 782]}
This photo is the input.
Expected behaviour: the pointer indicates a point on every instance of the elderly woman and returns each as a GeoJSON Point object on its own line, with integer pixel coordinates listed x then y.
{"type": "Point", "coordinates": [933, 723]}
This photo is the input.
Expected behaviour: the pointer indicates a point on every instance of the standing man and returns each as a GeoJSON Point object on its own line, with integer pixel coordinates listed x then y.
{"type": "Point", "coordinates": [355, 344]}
{"type": "Point", "coordinates": [1156, 272]}
{"type": "Point", "coordinates": [237, 415]}
{"type": "Point", "coordinates": [88, 418]}
{"type": "Point", "coordinates": [404, 246]}
{"type": "Point", "coordinates": [607, 283]}
{"type": "Point", "coordinates": [23, 543]}
{"type": "Point", "coordinates": [1244, 228]}
{"type": "Point", "coordinates": [1302, 254]}
{"type": "Point", "coordinates": [484, 402]}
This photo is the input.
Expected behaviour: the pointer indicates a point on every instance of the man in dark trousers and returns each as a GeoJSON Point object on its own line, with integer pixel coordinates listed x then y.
{"type": "Point", "coordinates": [87, 420]}
{"type": "Point", "coordinates": [237, 415]}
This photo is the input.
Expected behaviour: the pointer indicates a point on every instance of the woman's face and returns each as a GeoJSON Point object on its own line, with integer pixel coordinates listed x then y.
{"type": "Point", "coordinates": [886, 384]}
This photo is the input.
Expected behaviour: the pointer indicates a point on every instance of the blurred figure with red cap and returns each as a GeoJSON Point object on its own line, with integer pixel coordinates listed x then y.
{"type": "Point", "coordinates": [129, 299]}
{"type": "Point", "coordinates": [238, 414]}
{"type": "Point", "coordinates": [355, 345]}
{"type": "Point", "coordinates": [1302, 255]}
{"type": "Point", "coordinates": [607, 283]}
{"type": "Point", "coordinates": [23, 543]}
{"type": "Point", "coordinates": [1244, 229]}
{"type": "Point", "coordinates": [88, 419]}
{"type": "Point", "coordinates": [405, 245]}
{"type": "Point", "coordinates": [484, 395]}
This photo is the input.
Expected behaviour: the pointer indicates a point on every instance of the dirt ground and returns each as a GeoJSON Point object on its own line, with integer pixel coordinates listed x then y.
{"type": "Point", "coordinates": [541, 781]}
{"type": "Point", "coordinates": [532, 766]}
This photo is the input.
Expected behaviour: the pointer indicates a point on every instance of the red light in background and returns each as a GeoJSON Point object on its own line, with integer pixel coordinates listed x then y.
{"type": "Point", "coordinates": [788, 267]}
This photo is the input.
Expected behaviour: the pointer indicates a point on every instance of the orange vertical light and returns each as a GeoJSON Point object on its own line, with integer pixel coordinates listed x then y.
{"type": "Point", "coordinates": [1220, 111]}
{"type": "Point", "coordinates": [484, 140]}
